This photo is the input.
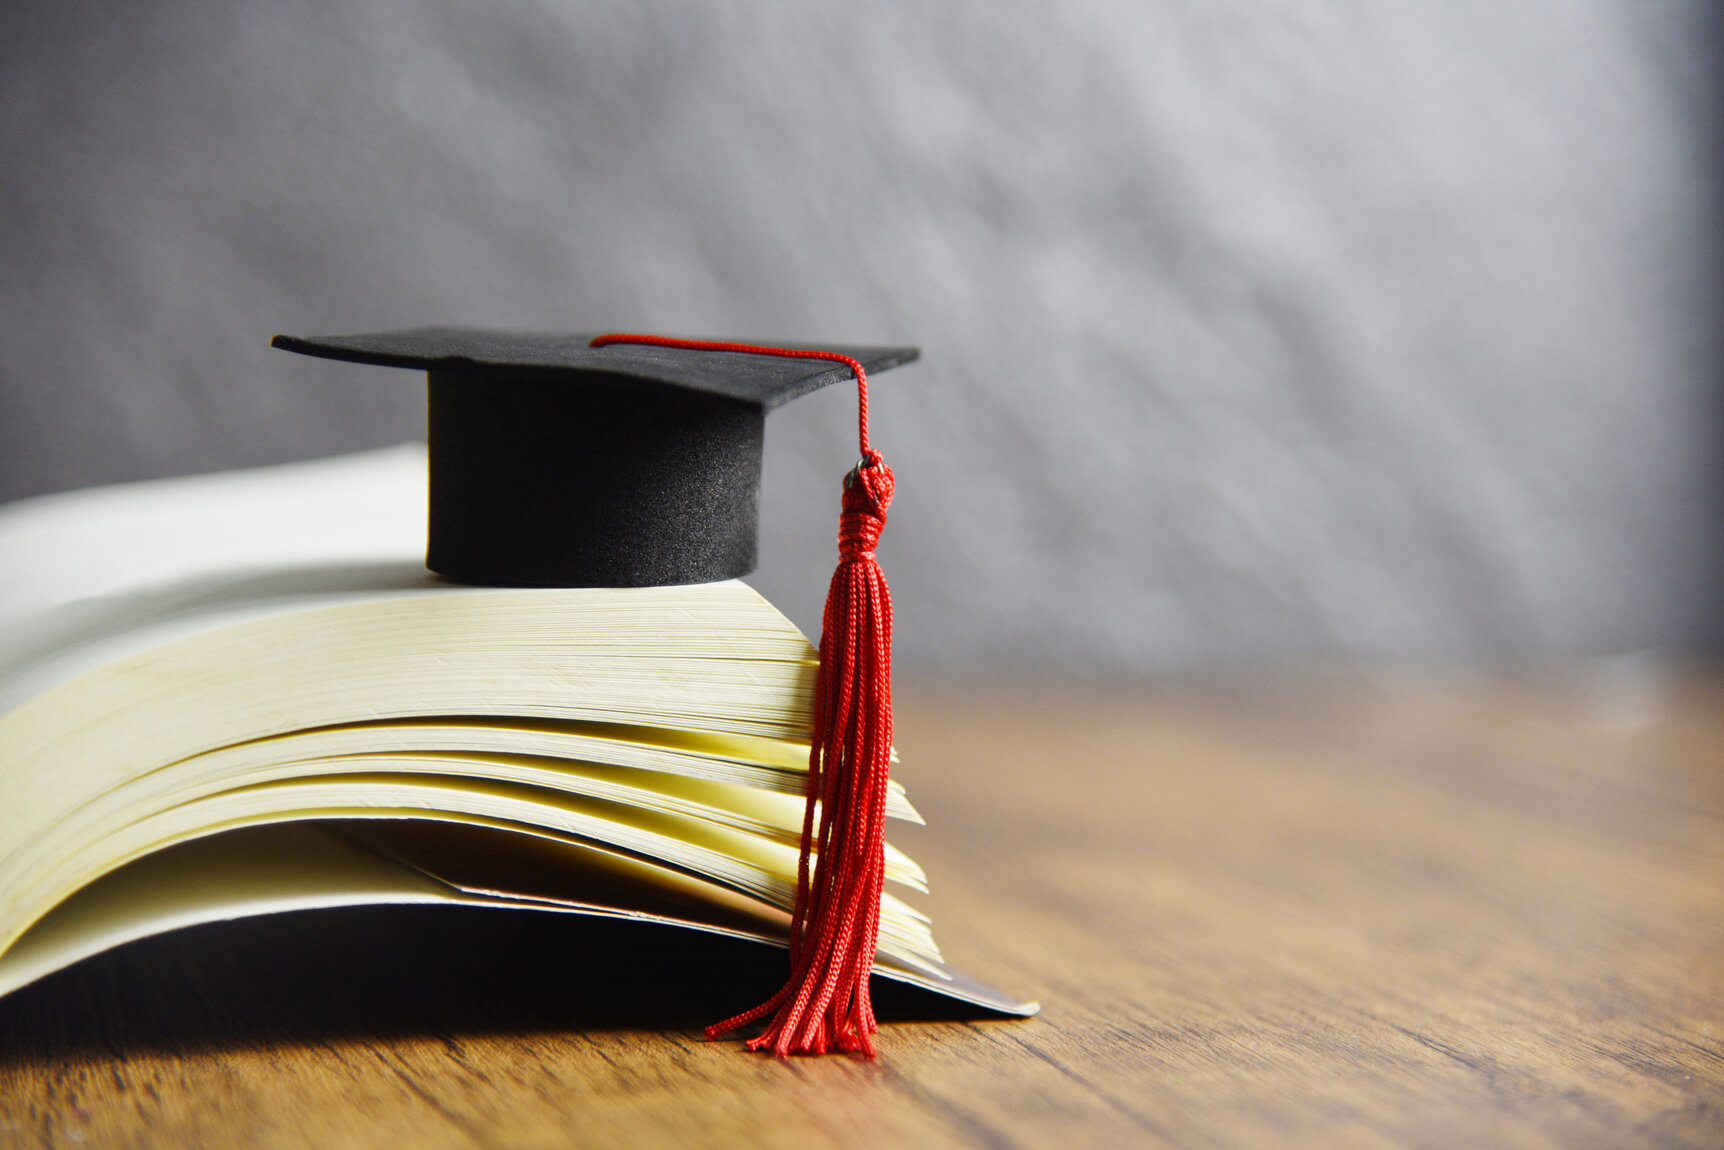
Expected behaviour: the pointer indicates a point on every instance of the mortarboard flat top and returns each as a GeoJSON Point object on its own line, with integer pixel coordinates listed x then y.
{"type": "Point", "coordinates": [554, 463]}
{"type": "Point", "coordinates": [766, 381]}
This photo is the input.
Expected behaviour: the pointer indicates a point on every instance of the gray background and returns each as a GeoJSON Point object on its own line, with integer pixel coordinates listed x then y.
{"type": "Point", "coordinates": [1253, 332]}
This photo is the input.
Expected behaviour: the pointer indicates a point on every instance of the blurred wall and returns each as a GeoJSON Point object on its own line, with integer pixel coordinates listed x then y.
{"type": "Point", "coordinates": [1252, 331]}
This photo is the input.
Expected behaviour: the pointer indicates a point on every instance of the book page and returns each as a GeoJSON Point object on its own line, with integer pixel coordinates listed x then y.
{"type": "Point", "coordinates": [294, 866]}
{"type": "Point", "coordinates": [313, 866]}
{"type": "Point", "coordinates": [88, 577]}
{"type": "Point", "coordinates": [105, 541]}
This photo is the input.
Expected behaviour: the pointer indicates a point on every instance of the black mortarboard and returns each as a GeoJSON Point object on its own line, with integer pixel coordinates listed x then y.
{"type": "Point", "coordinates": [554, 463]}
{"type": "Point", "coordinates": [629, 460]}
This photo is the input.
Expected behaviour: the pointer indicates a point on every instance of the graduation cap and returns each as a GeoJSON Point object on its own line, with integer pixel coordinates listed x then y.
{"type": "Point", "coordinates": [557, 463]}
{"type": "Point", "coordinates": [634, 460]}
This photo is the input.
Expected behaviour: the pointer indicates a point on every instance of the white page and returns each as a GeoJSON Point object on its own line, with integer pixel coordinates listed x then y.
{"type": "Point", "coordinates": [105, 541]}
{"type": "Point", "coordinates": [87, 577]}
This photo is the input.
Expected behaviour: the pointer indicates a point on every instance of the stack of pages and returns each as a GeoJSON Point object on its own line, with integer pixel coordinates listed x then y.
{"type": "Point", "coordinates": [239, 694]}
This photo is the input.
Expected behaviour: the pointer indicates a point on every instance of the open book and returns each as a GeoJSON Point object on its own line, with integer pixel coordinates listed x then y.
{"type": "Point", "coordinates": [238, 694]}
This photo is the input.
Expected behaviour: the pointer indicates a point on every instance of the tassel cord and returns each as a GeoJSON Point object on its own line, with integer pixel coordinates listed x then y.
{"type": "Point", "coordinates": [841, 869]}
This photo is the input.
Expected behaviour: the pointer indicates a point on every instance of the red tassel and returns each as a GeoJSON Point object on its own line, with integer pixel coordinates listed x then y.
{"type": "Point", "coordinates": [835, 925]}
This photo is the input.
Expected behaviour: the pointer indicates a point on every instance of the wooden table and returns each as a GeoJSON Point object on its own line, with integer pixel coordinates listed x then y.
{"type": "Point", "coordinates": [1337, 913]}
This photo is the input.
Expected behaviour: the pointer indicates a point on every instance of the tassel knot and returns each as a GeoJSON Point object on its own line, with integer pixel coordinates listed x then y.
{"type": "Point", "coordinates": [867, 495]}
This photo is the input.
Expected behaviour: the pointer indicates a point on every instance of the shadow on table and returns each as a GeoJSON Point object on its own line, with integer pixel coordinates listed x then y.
{"type": "Point", "coordinates": [397, 972]}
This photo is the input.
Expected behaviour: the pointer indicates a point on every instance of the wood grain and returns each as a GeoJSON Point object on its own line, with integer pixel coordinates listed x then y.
{"type": "Point", "coordinates": [1340, 913]}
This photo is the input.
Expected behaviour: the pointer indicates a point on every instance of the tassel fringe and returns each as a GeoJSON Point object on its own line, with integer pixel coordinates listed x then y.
{"type": "Point", "coordinates": [835, 926]}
